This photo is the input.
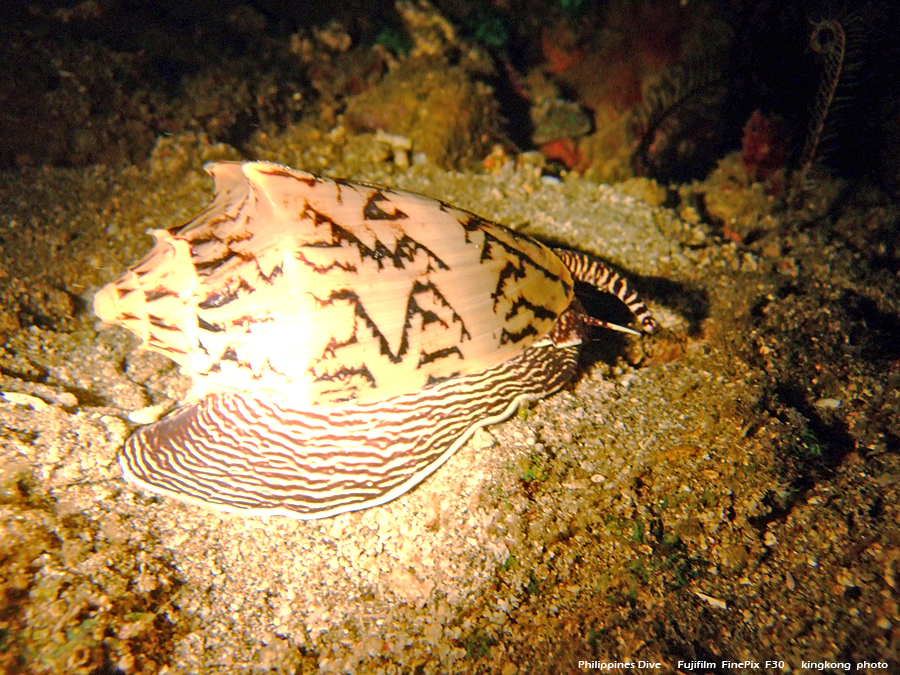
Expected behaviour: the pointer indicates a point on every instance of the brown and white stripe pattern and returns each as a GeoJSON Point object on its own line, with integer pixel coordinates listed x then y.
{"type": "Point", "coordinates": [344, 339]}
{"type": "Point", "coordinates": [589, 270]}
{"type": "Point", "coordinates": [328, 292]}
{"type": "Point", "coordinates": [237, 453]}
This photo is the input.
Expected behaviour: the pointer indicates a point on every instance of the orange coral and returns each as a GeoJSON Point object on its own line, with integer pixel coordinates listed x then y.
{"type": "Point", "coordinates": [564, 150]}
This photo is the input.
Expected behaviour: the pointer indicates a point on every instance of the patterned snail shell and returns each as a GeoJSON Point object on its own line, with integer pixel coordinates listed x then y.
{"type": "Point", "coordinates": [344, 339]}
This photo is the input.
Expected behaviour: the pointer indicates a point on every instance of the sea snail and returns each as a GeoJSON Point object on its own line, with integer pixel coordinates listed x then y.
{"type": "Point", "coordinates": [344, 339]}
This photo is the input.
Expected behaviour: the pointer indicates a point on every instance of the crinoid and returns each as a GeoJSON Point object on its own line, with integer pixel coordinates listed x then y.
{"type": "Point", "coordinates": [677, 105]}
{"type": "Point", "coordinates": [836, 42]}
